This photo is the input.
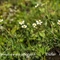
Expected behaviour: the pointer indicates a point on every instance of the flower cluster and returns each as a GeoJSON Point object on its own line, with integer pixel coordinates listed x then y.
{"type": "Point", "coordinates": [38, 22]}
{"type": "Point", "coordinates": [22, 23]}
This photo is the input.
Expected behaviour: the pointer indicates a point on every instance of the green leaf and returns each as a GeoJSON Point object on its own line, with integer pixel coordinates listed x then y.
{"type": "Point", "coordinates": [14, 29]}
{"type": "Point", "coordinates": [42, 34]}
{"type": "Point", "coordinates": [42, 50]}
{"type": "Point", "coordinates": [21, 40]}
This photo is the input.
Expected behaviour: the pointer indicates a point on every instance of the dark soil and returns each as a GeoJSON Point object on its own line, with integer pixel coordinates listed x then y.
{"type": "Point", "coordinates": [51, 56]}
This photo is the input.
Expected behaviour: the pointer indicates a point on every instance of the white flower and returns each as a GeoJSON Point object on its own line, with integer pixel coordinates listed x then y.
{"type": "Point", "coordinates": [21, 22]}
{"type": "Point", "coordinates": [1, 20]}
{"type": "Point", "coordinates": [34, 25]}
{"type": "Point", "coordinates": [36, 5]}
{"type": "Point", "coordinates": [24, 26]}
{"type": "Point", "coordinates": [58, 22]}
{"type": "Point", "coordinates": [39, 22]}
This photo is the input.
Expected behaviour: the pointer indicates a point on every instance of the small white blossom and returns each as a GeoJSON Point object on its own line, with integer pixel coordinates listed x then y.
{"type": "Point", "coordinates": [58, 22]}
{"type": "Point", "coordinates": [1, 20]}
{"type": "Point", "coordinates": [24, 26]}
{"type": "Point", "coordinates": [36, 5]}
{"type": "Point", "coordinates": [39, 22]}
{"type": "Point", "coordinates": [21, 22]}
{"type": "Point", "coordinates": [34, 25]}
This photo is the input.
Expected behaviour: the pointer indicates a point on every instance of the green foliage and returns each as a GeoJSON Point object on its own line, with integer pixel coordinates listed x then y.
{"type": "Point", "coordinates": [29, 26]}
